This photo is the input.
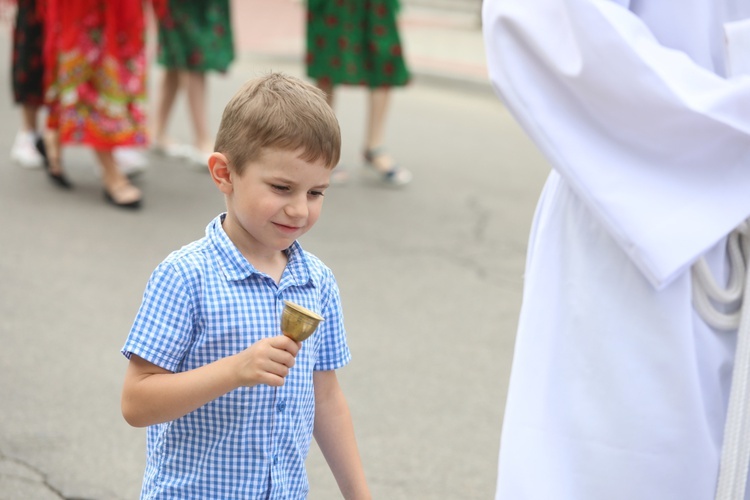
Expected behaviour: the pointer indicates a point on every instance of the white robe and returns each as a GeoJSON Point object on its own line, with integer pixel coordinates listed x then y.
{"type": "Point", "coordinates": [619, 389]}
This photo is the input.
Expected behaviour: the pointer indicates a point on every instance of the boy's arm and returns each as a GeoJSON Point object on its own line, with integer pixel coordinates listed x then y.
{"type": "Point", "coordinates": [152, 395]}
{"type": "Point", "coordinates": [334, 433]}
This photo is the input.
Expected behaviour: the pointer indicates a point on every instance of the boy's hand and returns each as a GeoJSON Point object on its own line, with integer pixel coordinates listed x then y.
{"type": "Point", "coordinates": [267, 361]}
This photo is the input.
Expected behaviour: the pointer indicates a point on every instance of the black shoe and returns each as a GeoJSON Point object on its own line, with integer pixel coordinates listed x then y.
{"type": "Point", "coordinates": [133, 205]}
{"type": "Point", "coordinates": [42, 150]}
{"type": "Point", "coordinates": [58, 179]}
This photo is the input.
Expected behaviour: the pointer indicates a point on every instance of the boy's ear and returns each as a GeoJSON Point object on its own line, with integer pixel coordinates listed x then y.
{"type": "Point", "coordinates": [218, 167]}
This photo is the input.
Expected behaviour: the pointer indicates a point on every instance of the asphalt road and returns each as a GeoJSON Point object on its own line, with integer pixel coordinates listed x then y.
{"type": "Point", "coordinates": [430, 277]}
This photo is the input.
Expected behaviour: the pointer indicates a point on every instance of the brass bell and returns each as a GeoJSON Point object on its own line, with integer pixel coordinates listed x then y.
{"type": "Point", "coordinates": [298, 322]}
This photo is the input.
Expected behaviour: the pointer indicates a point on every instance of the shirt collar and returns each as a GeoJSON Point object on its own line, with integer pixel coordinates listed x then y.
{"type": "Point", "coordinates": [236, 267]}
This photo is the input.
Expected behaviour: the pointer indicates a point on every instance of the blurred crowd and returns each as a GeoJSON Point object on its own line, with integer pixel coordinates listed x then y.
{"type": "Point", "coordinates": [84, 63]}
{"type": "Point", "coordinates": [79, 77]}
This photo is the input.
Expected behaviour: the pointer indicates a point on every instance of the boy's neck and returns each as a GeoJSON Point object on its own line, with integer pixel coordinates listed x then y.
{"type": "Point", "coordinates": [269, 262]}
{"type": "Point", "coordinates": [273, 267]}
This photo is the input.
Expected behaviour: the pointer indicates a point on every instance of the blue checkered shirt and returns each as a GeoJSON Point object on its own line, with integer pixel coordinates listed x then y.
{"type": "Point", "coordinates": [206, 302]}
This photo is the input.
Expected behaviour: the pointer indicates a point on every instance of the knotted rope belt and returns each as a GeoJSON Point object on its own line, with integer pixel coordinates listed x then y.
{"type": "Point", "coordinates": [708, 297]}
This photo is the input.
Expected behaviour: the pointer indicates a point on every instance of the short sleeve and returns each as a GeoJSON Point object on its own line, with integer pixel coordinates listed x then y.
{"type": "Point", "coordinates": [332, 349]}
{"type": "Point", "coordinates": [164, 325]}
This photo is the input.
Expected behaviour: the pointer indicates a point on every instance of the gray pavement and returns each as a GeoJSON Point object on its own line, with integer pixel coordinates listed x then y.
{"type": "Point", "coordinates": [430, 277]}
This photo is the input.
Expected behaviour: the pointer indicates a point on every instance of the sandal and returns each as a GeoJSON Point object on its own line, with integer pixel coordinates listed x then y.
{"type": "Point", "coordinates": [57, 178]}
{"type": "Point", "coordinates": [124, 195]}
{"type": "Point", "coordinates": [393, 175]}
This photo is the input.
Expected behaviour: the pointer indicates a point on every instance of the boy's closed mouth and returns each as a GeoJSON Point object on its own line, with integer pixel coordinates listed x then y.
{"type": "Point", "coordinates": [286, 228]}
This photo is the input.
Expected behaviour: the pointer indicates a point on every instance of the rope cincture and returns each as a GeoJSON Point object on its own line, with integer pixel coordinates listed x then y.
{"type": "Point", "coordinates": [708, 299]}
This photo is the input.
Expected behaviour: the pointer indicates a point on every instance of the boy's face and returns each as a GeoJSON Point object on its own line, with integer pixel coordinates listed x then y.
{"type": "Point", "coordinates": [277, 199]}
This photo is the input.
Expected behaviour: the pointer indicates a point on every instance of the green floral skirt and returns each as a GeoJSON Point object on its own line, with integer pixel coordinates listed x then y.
{"type": "Point", "coordinates": [355, 42]}
{"type": "Point", "coordinates": [196, 35]}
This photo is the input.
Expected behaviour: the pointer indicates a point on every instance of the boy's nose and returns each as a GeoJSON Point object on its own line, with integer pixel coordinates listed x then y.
{"type": "Point", "coordinates": [297, 208]}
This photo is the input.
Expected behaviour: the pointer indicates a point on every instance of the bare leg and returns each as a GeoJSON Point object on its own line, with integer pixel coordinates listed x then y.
{"type": "Point", "coordinates": [328, 89]}
{"type": "Point", "coordinates": [170, 85]}
{"type": "Point", "coordinates": [49, 146]}
{"type": "Point", "coordinates": [376, 157]}
{"type": "Point", "coordinates": [117, 187]}
{"type": "Point", "coordinates": [29, 117]}
{"type": "Point", "coordinates": [340, 174]}
{"type": "Point", "coordinates": [51, 140]}
{"type": "Point", "coordinates": [196, 93]}
{"type": "Point", "coordinates": [379, 99]}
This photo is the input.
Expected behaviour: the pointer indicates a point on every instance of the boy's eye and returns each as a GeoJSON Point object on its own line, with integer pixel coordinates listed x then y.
{"type": "Point", "coordinates": [316, 193]}
{"type": "Point", "coordinates": [280, 187]}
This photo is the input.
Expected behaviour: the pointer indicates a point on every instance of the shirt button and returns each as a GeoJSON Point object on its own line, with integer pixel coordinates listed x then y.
{"type": "Point", "coordinates": [281, 406]}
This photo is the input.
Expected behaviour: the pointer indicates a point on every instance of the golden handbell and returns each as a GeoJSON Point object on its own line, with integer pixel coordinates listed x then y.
{"type": "Point", "coordinates": [298, 322]}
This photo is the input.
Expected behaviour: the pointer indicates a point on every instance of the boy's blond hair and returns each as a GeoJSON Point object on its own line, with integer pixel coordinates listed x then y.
{"type": "Point", "coordinates": [277, 111]}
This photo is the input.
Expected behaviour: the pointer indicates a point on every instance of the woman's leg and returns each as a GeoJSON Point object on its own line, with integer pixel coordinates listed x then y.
{"type": "Point", "coordinates": [117, 188]}
{"type": "Point", "coordinates": [52, 151]}
{"type": "Point", "coordinates": [196, 93]}
{"type": "Point", "coordinates": [340, 174]}
{"type": "Point", "coordinates": [49, 147]}
{"type": "Point", "coordinates": [376, 156]}
{"type": "Point", "coordinates": [29, 117]}
{"type": "Point", "coordinates": [326, 87]}
{"type": "Point", "coordinates": [27, 74]}
{"type": "Point", "coordinates": [379, 99]}
{"type": "Point", "coordinates": [24, 150]}
{"type": "Point", "coordinates": [170, 85]}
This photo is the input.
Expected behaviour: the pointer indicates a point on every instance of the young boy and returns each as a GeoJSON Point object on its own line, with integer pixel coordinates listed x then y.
{"type": "Point", "coordinates": [230, 403]}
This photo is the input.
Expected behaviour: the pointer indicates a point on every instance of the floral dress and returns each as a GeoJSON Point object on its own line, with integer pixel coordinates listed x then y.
{"type": "Point", "coordinates": [196, 35]}
{"type": "Point", "coordinates": [27, 68]}
{"type": "Point", "coordinates": [95, 69]}
{"type": "Point", "coordinates": [355, 42]}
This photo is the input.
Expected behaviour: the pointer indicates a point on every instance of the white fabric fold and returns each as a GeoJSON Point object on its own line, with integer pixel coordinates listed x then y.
{"type": "Point", "coordinates": [738, 47]}
{"type": "Point", "coordinates": [639, 130]}
{"type": "Point", "coordinates": [619, 389]}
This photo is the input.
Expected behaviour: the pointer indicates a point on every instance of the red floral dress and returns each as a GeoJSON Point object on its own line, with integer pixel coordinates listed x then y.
{"type": "Point", "coordinates": [95, 69]}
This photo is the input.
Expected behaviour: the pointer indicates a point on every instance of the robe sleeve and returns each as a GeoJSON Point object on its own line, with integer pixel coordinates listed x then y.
{"type": "Point", "coordinates": [656, 145]}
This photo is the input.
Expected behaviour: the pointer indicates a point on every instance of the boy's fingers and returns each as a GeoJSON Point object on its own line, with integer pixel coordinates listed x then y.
{"type": "Point", "coordinates": [278, 369]}
{"type": "Point", "coordinates": [285, 359]}
{"type": "Point", "coordinates": [287, 344]}
{"type": "Point", "coordinates": [274, 380]}
{"type": "Point", "coordinates": [281, 356]}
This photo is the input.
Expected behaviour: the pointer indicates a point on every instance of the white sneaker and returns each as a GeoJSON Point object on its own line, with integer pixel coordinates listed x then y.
{"type": "Point", "coordinates": [24, 151]}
